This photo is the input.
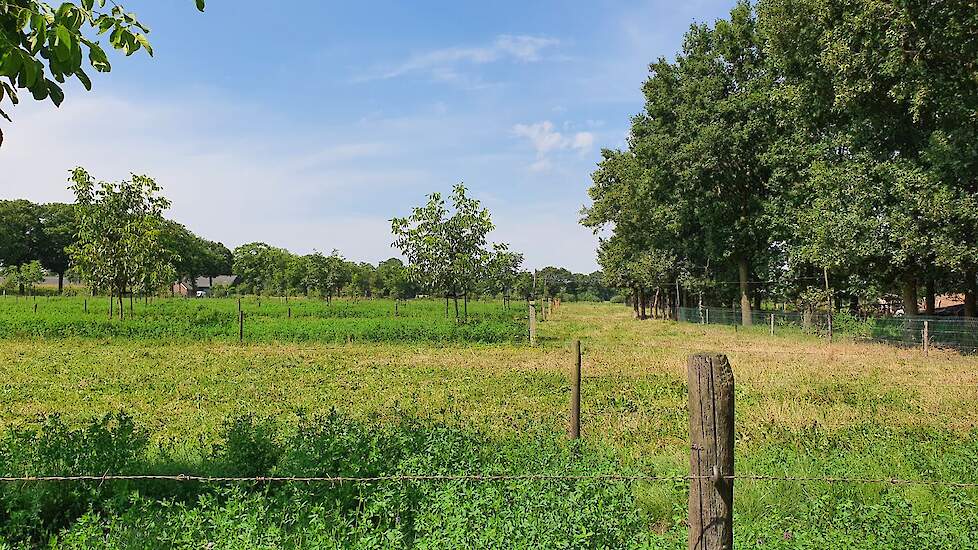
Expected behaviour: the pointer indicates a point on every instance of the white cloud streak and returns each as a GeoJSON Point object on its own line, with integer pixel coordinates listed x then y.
{"type": "Point", "coordinates": [545, 140]}
{"type": "Point", "coordinates": [447, 64]}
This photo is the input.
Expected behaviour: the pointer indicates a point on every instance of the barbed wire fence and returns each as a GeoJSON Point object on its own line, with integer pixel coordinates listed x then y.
{"type": "Point", "coordinates": [711, 479]}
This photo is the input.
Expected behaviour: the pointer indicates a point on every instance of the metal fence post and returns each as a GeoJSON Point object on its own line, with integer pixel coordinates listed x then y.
{"type": "Point", "coordinates": [711, 459]}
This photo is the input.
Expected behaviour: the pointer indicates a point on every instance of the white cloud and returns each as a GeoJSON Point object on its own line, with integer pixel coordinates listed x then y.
{"type": "Point", "coordinates": [583, 141]}
{"type": "Point", "coordinates": [226, 183]}
{"type": "Point", "coordinates": [546, 140]}
{"type": "Point", "coordinates": [446, 64]}
{"type": "Point", "coordinates": [237, 178]}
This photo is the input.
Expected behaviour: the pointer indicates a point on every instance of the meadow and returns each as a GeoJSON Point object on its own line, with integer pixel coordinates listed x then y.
{"type": "Point", "coordinates": [266, 320]}
{"type": "Point", "coordinates": [75, 404]}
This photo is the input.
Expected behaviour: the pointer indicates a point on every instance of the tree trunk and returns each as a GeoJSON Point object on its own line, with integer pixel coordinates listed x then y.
{"type": "Point", "coordinates": [61, 282]}
{"type": "Point", "coordinates": [929, 298]}
{"type": "Point", "coordinates": [638, 314]}
{"type": "Point", "coordinates": [854, 304]}
{"type": "Point", "coordinates": [111, 305]}
{"type": "Point", "coordinates": [908, 288]}
{"type": "Point", "coordinates": [743, 270]}
{"type": "Point", "coordinates": [466, 305]}
{"type": "Point", "coordinates": [970, 293]}
{"type": "Point", "coordinates": [455, 300]}
{"type": "Point", "coordinates": [643, 302]}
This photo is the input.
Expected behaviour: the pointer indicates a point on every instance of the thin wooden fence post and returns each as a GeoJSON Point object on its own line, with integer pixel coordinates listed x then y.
{"type": "Point", "coordinates": [290, 312]}
{"type": "Point", "coordinates": [772, 324]}
{"type": "Point", "coordinates": [86, 305]}
{"type": "Point", "coordinates": [575, 400]}
{"type": "Point", "coordinates": [707, 316]}
{"type": "Point", "coordinates": [926, 337]}
{"type": "Point", "coordinates": [240, 326]}
{"type": "Point", "coordinates": [711, 458]}
{"type": "Point", "coordinates": [533, 323]}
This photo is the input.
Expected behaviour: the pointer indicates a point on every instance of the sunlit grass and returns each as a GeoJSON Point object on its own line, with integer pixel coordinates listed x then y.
{"type": "Point", "coordinates": [804, 407]}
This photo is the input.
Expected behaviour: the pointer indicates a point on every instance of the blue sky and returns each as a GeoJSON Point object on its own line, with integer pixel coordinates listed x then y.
{"type": "Point", "coordinates": [310, 125]}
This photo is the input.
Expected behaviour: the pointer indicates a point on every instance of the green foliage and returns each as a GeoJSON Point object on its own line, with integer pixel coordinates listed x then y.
{"type": "Point", "coordinates": [26, 276]}
{"type": "Point", "coordinates": [446, 248]}
{"type": "Point", "coordinates": [797, 138]}
{"type": "Point", "coordinates": [512, 513]}
{"type": "Point", "coordinates": [18, 232]}
{"type": "Point", "coordinates": [441, 514]}
{"type": "Point", "coordinates": [119, 243]}
{"type": "Point", "coordinates": [42, 46]}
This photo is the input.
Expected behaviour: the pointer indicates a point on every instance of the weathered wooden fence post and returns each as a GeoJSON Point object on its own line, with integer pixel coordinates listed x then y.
{"type": "Point", "coordinates": [707, 316]}
{"type": "Point", "coordinates": [772, 324]}
{"type": "Point", "coordinates": [711, 458]}
{"type": "Point", "coordinates": [926, 337]}
{"type": "Point", "coordinates": [533, 323]}
{"type": "Point", "coordinates": [240, 326]}
{"type": "Point", "coordinates": [575, 399]}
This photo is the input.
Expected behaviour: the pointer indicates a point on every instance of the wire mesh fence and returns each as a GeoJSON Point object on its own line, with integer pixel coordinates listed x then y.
{"type": "Point", "coordinates": [957, 333]}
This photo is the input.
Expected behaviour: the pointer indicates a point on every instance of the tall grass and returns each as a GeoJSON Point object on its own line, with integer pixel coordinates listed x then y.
{"type": "Point", "coordinates": [266, 320]}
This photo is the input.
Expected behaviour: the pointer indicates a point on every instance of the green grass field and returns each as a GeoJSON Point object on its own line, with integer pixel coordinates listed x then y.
{"type": "Point", "coordinates": [266, 320]}
{"type": "Point", "coordinates": [316, 406]}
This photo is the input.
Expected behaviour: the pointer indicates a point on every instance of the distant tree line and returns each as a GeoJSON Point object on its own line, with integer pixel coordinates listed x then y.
{"type": "Point", "coordinates": [817, 153]}
{"type": "Point", "coordinates": [116, 239]}
{"type": "Point", "coordinates": [449, 255]}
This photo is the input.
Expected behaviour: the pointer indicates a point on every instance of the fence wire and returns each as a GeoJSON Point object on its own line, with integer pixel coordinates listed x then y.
{"type": "Point", "coordinates": [488, 478]}
{"type": "Point", "coordinates": [908, 331]}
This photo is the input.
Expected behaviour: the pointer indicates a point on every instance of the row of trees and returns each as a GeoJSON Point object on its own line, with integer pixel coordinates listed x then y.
{"type": "Point", "coordinates": [117, 215]}
{"type": "Point", "coordinates": [36, 233]}
{"type": "Point", "coordinates": [802, 151]}
{"type": "Point", "coordinates": [264, 269]}
{"type": "Point", "coordinates": [116, 238]}
{"type": "Point", "coordinates": [446, 244]}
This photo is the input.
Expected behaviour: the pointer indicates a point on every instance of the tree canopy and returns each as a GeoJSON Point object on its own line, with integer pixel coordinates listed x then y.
{"type": "Point", "coordinates": [42, 45]}
{"type": "Point", "coordinates": [800, 147]}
